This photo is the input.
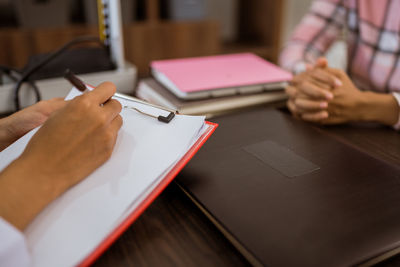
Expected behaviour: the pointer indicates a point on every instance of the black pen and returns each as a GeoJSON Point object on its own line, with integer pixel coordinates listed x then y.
{"type": "Point", "coordinates": [75, 81]}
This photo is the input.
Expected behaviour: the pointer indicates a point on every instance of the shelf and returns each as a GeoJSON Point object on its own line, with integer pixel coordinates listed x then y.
{"type": "Point", "coordinates": [145, 42]}
{"type": "Point", "coordinates": [154, 38]}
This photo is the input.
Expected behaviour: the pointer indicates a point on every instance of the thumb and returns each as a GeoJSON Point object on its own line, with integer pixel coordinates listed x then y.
{"type": "Point", "coordinates": [321, 62]}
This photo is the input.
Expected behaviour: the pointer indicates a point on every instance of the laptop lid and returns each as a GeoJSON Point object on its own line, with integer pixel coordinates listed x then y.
{"type": "Point", "coordinates": [214, 76]}
{"type": "Point", "coordinates": [286, 194]}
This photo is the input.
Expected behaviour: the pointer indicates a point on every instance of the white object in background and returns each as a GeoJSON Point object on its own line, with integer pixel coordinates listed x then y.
{"type": "Point", "coordinates": [128, 11]}
{"type": "Point", "coordinates": [124, 76]}
{"type": "Point", "coordinates": [337, 55]}
{"type": "Point", "coordinates": [124, 79]}
{"type": "Point", "coordinates": [115, 33]}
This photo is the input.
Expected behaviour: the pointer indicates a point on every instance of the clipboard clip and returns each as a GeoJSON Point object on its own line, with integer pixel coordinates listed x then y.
{"type": "Point", "coordinates": [165, 119]}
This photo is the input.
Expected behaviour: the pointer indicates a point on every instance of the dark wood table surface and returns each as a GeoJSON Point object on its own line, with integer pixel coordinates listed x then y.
{"type": "Point", "coordinates": [174, 232]}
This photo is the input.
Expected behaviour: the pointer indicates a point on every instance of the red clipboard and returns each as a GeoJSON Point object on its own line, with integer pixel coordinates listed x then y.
{"type": "Point", "coordinates": [118, 231]}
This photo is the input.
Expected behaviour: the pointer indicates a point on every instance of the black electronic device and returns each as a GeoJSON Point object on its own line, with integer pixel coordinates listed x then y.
{"type": "Point", "coordinates": [288, 194]}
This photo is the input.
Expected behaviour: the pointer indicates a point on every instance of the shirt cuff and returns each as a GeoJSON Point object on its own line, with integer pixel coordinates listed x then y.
{"type": "Point", "coordinates": [299, 67]}
{"type": "Point", "coordinates": [397, 97]}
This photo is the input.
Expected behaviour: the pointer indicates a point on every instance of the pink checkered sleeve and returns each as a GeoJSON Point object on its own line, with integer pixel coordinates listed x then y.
{"type": "Point", "coordinates": [315, 33]}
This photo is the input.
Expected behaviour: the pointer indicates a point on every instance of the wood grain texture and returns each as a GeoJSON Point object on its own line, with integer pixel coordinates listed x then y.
{"type": "Point", "coordinates": [379, 141]}
{"type": "Point", "coordinates": [261, 21]}
{"type": "Point", "coordinates": [172, 232]}
{"type": "Point", "coordinates": [259, 27]}
{"type": "Point", "coordinates": [145, 42]}
{"type": "Point", "coordinates": [152, 11]}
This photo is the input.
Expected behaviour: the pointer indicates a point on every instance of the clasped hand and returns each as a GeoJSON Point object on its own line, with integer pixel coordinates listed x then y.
{"type": "Point", "coordinates": [324, 95]}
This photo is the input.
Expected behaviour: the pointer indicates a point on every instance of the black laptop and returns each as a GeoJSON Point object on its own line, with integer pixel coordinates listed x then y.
{"type": "Point", "coordinates": [286, 194]}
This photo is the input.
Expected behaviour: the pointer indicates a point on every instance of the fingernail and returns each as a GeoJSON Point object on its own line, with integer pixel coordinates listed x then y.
{"type": "Point", "coordinates": [323, 104]}
{"type": "Point", "coordinates": [338, 83]}
{"type": "Point", "coordinates": [324, 115]}
{"type": "Point", "coordinates": [329, 95]}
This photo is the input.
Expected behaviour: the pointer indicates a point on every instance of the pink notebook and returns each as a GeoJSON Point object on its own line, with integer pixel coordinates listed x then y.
{"type": "Point", "coordinates": [214, 76]}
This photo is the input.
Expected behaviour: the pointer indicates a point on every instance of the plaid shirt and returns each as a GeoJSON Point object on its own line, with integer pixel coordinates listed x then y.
{"type": "Point", "coordinates": [372, 36]}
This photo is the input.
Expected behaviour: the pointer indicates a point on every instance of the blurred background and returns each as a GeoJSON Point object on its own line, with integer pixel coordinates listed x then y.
{"type": "Point", "coordinates": [153, 29]}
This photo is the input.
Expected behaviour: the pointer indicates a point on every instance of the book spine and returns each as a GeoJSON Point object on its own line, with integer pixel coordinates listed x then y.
{"type": "Point", "coordinates": [145, 92]}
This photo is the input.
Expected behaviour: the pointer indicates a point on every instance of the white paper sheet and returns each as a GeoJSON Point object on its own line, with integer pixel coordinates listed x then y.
{"type": "Point", "coordinates": [66, 231]}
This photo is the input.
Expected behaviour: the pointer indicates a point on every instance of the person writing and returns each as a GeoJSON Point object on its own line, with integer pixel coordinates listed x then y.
{"type": "Point", "coordinates": [370, 89]}
{"type": "Point", "coordinates": [76, 137]}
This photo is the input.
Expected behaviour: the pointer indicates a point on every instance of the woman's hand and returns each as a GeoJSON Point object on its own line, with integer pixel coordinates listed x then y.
{"type": "Point", "coordinates": [310, 92]}
{"type": "Point", "coordinates": [328, 96]}
{"type": "Point", "coordinates": [351, 104]}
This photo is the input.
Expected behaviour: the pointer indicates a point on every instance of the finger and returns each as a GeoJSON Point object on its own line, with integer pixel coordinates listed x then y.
{"type": "Point", "coordinates": [307, 77]}
{"type": "Point", "coordinates": [112, 108]}
{"type": "Point", "coordinates": [291, 91]}
{"type": "Point", "coordinates": [298, 79]}
{"type": "Point", "coordinates": [56, 103]}
{"type": "Point", "coordinates": [321, 85]}
{"type": "Point", "coordinates": [113, 129]}
{"type": "Point", "coordinates": [292, 107]}
{"type": "Point", "coordinates": [336, 72]}
{"type": "Point", "coordinates": [314, 91]}
{"type": "Point", "coordinates": [315, 116]}
{"type": "Point", "coordinates": [294, 93]}
{"type": "Point", "coordinates": [307, 105]}
{"type": "Point", "coordinates": [313, 76]}
{"type": "Point", "coordinates": [321, 62]}
{"type": "Point", "coordinates": [103, 92]}
{"type": "Point", "coordinates": [115, 125]}
{"type": "Point", "coordinates": [332, 120]}
{"type": "Point", "coordinates": [325, 77]}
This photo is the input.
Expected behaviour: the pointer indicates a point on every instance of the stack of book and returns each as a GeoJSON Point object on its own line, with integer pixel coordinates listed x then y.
{"type": "Point", "coordinates": [152, 91]}
{"type": "Point", "coordinates": [214, 85]}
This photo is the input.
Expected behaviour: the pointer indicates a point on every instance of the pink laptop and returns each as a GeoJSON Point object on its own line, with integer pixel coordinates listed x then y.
{"type": "Point", "coordinates": [215, 76]}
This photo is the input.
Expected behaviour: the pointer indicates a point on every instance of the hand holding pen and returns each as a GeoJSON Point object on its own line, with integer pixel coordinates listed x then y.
{"type": "Point", "coordinates": [71, 144]}
{"type": "Point", "coordinates": [81, 86]}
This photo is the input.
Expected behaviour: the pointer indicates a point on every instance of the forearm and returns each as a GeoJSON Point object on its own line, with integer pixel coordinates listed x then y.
{"type": "Point", "coordinates": [377, 107]}
{"type": "Point", "coordinates": [24, 192]}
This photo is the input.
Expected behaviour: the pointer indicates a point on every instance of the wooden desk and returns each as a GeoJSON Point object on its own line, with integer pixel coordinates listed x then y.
{"type": "Point", "coordinates": [173, 232]}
